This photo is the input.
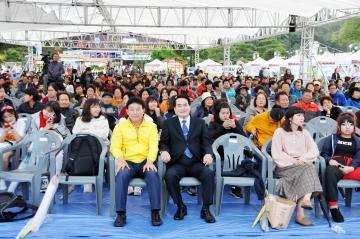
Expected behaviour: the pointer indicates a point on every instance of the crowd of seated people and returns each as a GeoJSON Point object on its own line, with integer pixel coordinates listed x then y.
{"type": "Point", "coordinates": [151, 116]}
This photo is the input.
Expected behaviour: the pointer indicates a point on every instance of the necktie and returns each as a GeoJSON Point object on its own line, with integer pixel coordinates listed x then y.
{"type": "Point", "coordinates": [185, 131]}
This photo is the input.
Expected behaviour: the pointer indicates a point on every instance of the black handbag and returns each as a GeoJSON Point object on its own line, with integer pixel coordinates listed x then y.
{"type": "Point", "coordinates": [11, 206]}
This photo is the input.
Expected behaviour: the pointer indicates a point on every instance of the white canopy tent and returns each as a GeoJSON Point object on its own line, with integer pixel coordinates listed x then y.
{"type": "Point", "coordinates": [257, 62]}
{"type": "Point", "coordinates": [208, 63]}
{"type": "Point", "coordinates": [326, 58]}
{"type": "Point", "coordinates": [211, 67]}
{"type": "Point", "coordinates": [155, 65]}
{"type": "Point", "coordinates": [253, 67]}
{"type": "Point", "coordinates": [355, 58]}
{"type": "Point", "coordinates": [326, 64]}
{"type": "Point", "coordinates": [276, 61]}
{"type": "Point", "coordinates": [275, 64]}
{"type": "Point", "coordinates": [293, 63]}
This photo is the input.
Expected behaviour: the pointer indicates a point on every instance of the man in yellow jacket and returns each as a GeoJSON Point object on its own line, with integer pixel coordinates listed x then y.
{"type": "Point", "coordinates": [263, 125]}
{"type": "Point", "coordinates": [134, 144]}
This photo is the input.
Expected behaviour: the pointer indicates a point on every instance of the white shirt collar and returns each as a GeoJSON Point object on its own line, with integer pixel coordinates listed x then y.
{"type": "Point", "coordinates": [187, 121]}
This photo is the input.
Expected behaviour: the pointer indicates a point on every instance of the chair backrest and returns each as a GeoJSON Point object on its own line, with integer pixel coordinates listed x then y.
{"type": "Point", "coordinates": [16, 102]}
{"type": "Point", "coordinates": [266, 148]}
{"type": "Point", "coordinates": [309, 115]}
{"type": "Point", "coordinates": [321, 126]}
{"type": "Point", "coordinates": [197, 101]}
{"type": "Point", "coordinates": [357, 131]}
{"type": "Point", "coordinates": [233, 145]}
{"type": "Point", "coordinates": [207, 119]}
{"type": "Point", "coordinates": [27, 118]}
{"type": "Point", "coordinates": [320, 143]}
{"type": "Point", "coordinates": [193, 106]}
{"type": "Point", "coordinates": [39, 144]}
{"type": "Point", "coordinates": [78, 109]}
{"type": "Point", "coordinates": [113, 121]}
{"type": "Point", "coordinates": [242, 121]}
{"type": "Point", "coordinates": [67, 142]}
{"type": "Point", "coordinates": [232, 100]}
{"type": "Point", "coordinates": [271, 103]}
{"type": "Point", "coordinates": [236, 111]}
{"type": "Point", "coordinates": [350, 109]}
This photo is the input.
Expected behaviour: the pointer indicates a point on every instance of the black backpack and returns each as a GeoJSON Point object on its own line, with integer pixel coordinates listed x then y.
{"type": "Point", "coordinates": [8, 202]}
{"type": "Point", "coordinates": [84, 153]}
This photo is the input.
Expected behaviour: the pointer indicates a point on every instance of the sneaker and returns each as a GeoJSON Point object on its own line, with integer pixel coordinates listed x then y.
{"type": "Point", "coordinates": [236, 192]}
{"type": "Point", "coordinates": [71, 188]}
{"type": "Point", "coordinates": [336, 215]}
{"type": "Point", "coordinates": [130, 190]}
{"type": "Point", "coordinates": [137, 191]}
{"type": "Point", "coordinates": [192, 191]}
{"type": "Point", "coordinates": [2, 184]}
{"type": "Point", "coordinates": [44, 183]}
{"type": "Point", "coordinates": [87, 188]}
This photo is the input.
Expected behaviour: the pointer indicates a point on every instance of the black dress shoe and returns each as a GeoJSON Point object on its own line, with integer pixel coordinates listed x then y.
{"type": "Point", "coordinates": [155, 218]}
{"type": "Point", "coordinates": [180, 213]}
{"type": "Point", "coordinates": [206, 215]}
{"type": "Point", "coordinates": [120, 220]}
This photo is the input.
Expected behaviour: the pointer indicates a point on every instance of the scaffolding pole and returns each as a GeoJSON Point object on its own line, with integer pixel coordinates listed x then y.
{"type": "Point", "coordinates": [307, 54]}
{"type": "Point", "coordinates": [227, 52]}
{"type": "Point", "coordinates": [30, 58]}
{"type": "Point", "coordinates": [197, 56]}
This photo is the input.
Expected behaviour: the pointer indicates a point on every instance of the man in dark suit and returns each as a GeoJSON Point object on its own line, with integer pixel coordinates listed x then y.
{"type": "Point", "coordinates": [186, 149]}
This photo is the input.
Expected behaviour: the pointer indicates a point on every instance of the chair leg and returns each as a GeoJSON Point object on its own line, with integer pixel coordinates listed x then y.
{"type": "Point", "coordinates": [164, 201]}
{"type": "Point", "coordinates": [112, 195]}
{"type": "Point", "coordinates": [247, 194]}
{"type": "Point", "coordinates": [112, 188]}
{"type": "Point", "coordinates": [65, 188]}
{"type": "Point", "coordinates": [25, 190]}
{"type": "Point", "coordinates": [99, 189]}
{"type": "Point", "coordinates": [35, 190]}
{"type": "Point", "coordinates": [219, 195]}
{"type": "Point", "coordinates": [348, 195]}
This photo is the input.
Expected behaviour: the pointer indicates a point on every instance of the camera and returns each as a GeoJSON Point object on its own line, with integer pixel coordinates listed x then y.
{"type": "Point", "coordinates": [46, 59]}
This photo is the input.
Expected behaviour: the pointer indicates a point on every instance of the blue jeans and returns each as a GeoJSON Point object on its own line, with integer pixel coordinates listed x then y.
{"type": "Point", "coordinates": [123, 178]}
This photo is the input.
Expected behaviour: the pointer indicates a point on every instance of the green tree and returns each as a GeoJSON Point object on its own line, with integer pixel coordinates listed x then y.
{"type": "Point", "coordinates": [349, 32]}
{"type": "Point", "coordinates": [14, 55]}
{"type": "Point", "coordinates": [162, 54]}
{"type": "Point", "coordinates": [2, 58]}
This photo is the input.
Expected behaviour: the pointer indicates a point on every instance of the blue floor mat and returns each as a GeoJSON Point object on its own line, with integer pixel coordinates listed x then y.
{"type": "Point", "coordinates": [78, 219]}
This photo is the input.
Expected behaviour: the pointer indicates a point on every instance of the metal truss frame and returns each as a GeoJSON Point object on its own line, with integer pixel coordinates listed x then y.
{"type": "Point", "coordinates": [163, 17]}
{"type": "Point", "coordinates": [228, 18]}
{"type": "Point", "coordinates": [306, 53]}
{"type": "Point", "coordinates": [133, 16]}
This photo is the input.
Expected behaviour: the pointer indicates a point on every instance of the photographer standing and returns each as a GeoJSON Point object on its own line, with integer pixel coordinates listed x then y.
{"type": "Point", "coordinates": [55, 70]}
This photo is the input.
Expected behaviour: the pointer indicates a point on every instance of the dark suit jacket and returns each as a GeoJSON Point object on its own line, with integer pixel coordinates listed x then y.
{"type": "Point", "coordinates": [172, 139]}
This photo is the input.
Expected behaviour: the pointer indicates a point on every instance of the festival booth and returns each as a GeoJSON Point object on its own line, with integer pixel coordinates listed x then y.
{"type": "Point", "coordinates": [213, 68]}
{"type": "Point", "coordinates": [275, 64]}
{"type": "Point", "coordinates": [326, 64]}
{"type": "Point", "coordinates": [155, 66]}
{"type": "Point", "coordinates": [354, 58]}
{"type": "Point", "coordinates": [293, 63]}
{"type": "Point", "coordinates": [174, 66]}
{"type": "Point", "coordinates": [253, 67]}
